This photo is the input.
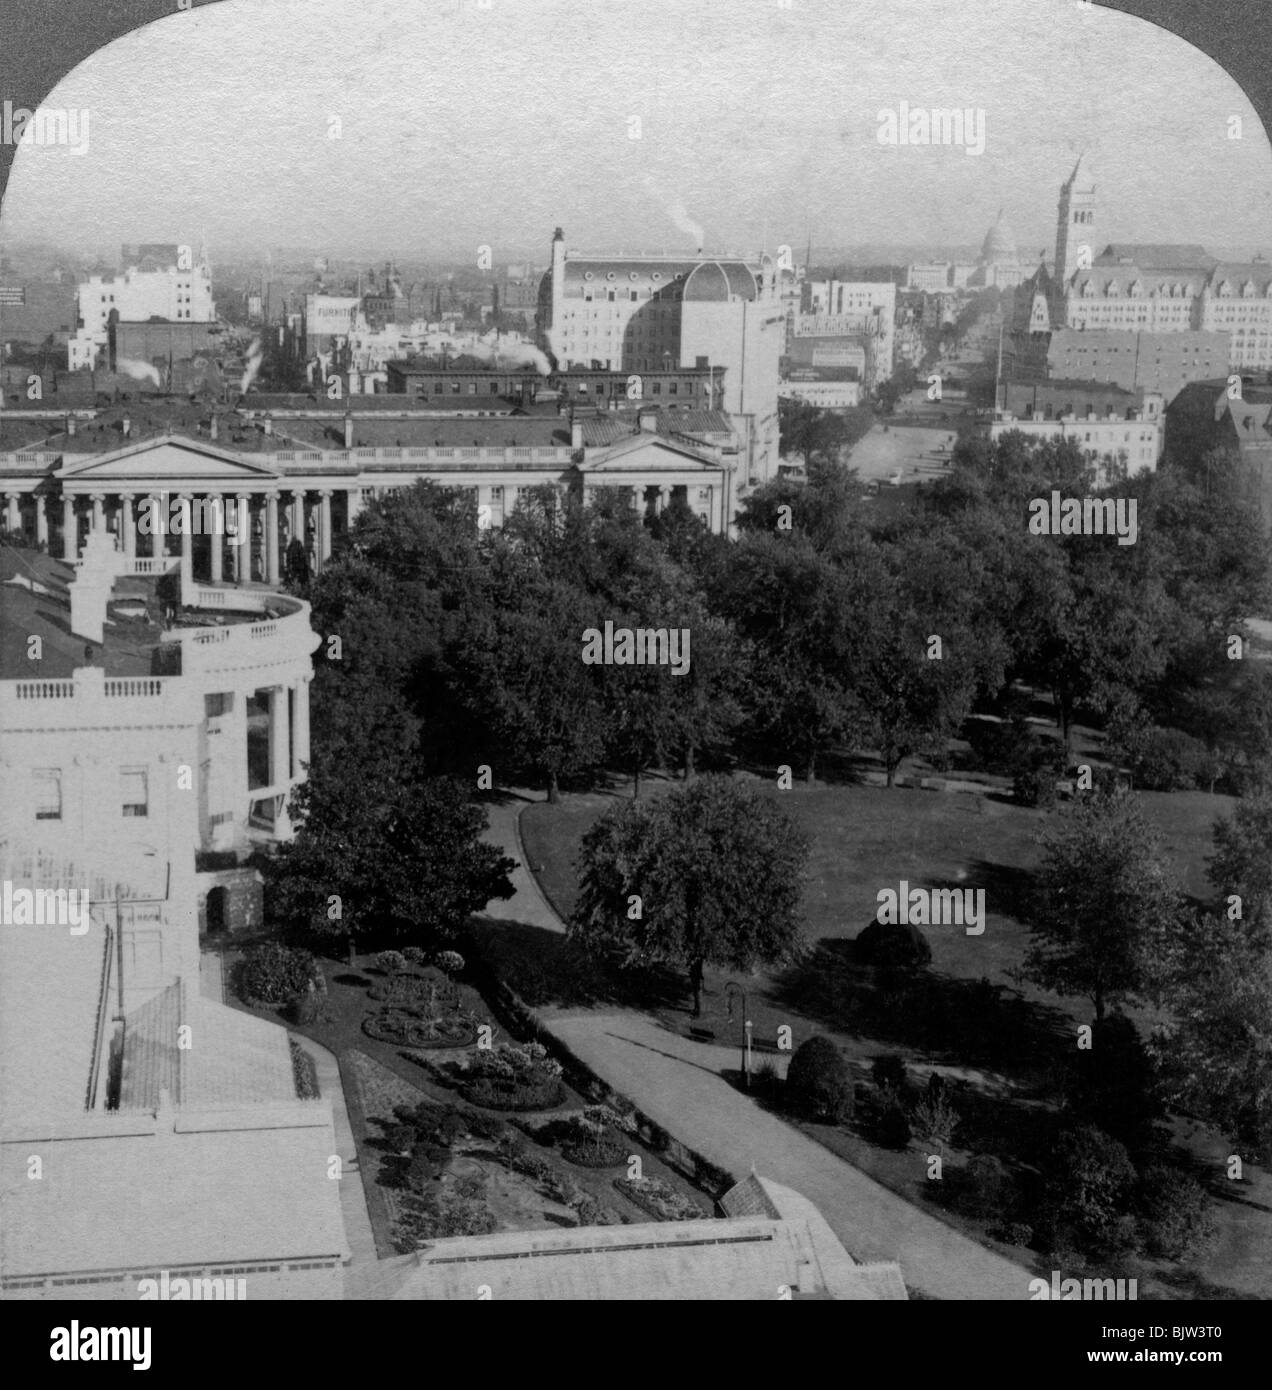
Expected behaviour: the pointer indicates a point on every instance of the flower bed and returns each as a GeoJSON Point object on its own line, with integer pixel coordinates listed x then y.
{"type": "Point", "coordinates": [659, 1199]}
{"type": "Point", "coordinates": [431, 992]}
{"type": "Point", "coordinates": [543, 1094]}
{"type": "Point", "coordinates": [412, 1028]}
{"type": "Point", "coordinates": [589, 1151]}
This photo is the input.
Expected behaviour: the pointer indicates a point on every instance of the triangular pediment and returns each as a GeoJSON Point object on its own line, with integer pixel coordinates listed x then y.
{"type": "Point", "coordinates": [647, 453]}
{"type": "Point", "coordinates": [168, 459]}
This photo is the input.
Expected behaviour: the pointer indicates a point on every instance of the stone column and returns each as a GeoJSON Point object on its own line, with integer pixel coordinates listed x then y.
{"type": "Point", "coordinates": [717, 520]}
{"type": "Point", "coordinates": [323, 547]}
{"type": "Point", "coordinates": [41, 519]}
{"type": "Point", "coordinates": [271, 539]}
{"type": "Point", "coordinates": [353, 504]}
{"type": "Point", "coordinates": [242, 552]}
{"type": "Point", "coordinates": [298, 519]}
{"type": "Point", "coordinates": [301, 737]}
{"type": "Point", "coordinates": [159, 517]}
{"type": "Point", "coordinates": [70, 540]}
{"type": "Point", "coordinates": [13, 514]}
{"type": "Point", "coordinates": [127, 524]}
{"type": "Point", "coordinates": [187, 540]}
{"type": "Point", "coordinates": [279, 752]}
{"type": "Point", "coordinates": [99, 511]}
{"type": "Point", "coordinates": [218, 533]}
{"type": "Point", "coordinates": [664, 500]}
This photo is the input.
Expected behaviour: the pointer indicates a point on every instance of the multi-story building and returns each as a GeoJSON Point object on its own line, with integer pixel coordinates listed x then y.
{"type": "Point", "coordinates": [646, 313]}
{"type": "Point", "coordinates": [1160, 362]}
{"type": "Point", "coordinates": [130, 1103]}
{"type": "Point", "coordinates": [174, 286]}
{"type": "Point", "coordinates": [856, 313]}
{"type": "Point", "coordinates": [1206, 415]}
{"type": "Point", "coordinates": [1122, 432]}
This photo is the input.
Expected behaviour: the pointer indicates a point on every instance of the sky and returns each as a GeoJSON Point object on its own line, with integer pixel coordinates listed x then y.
{"type": "Point", "coordinates": [433, 127]}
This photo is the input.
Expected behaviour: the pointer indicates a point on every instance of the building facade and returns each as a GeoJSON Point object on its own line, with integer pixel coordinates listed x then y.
{"type": "Point", "coordinates": [180, 292]}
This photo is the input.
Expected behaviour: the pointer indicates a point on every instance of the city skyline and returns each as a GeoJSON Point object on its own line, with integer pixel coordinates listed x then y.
{"type": "Point", "coordinates": [438, 169]}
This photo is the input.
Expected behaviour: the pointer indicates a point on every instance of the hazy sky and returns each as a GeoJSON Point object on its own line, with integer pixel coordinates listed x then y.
{"type": "Point", "coordinates": [462, 125]}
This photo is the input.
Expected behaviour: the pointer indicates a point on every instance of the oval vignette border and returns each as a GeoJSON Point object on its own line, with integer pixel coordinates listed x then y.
{"type": "Point", "coordinates": [43, 40]}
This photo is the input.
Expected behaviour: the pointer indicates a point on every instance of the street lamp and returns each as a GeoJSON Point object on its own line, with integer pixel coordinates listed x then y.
{"type": "Point", "coordinates": [731, 989]}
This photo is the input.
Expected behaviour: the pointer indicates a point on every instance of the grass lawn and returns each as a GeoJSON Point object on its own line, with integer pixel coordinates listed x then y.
{"type": "Point", "coordinates": [1000, 1036]}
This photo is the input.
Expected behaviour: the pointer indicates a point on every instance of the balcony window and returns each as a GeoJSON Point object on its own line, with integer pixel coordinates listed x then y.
{"type": "Point", "coordinates": [48, 794]}
{"type": "Point", "coordinates": [134, 793]}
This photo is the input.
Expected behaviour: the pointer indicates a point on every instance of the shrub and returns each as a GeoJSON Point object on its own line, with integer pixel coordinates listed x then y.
{"type": "Point", "coordinates": [390, 962]}
{"type": "Point", "coordinates": [659, 1199]}
{"type": "Point", "coordinates": [309, 1007]}
{"type": "Point", "coordinates": [934, 1119]}
{"type": "Point", "coordinates": [399, 1138]}
{"type": "Point", "coordinates": [888, 1072]}
{"type": "Point", "coordinates": [1113, 1085]}
{"type": "Point", "coordinates": [765, 1080]}
{"type": "Point", "coordinates": [818, 1084]}
{"type": "Point", "coordinates": [984, 1188]}
{"type": "Point", "coordinates": [1176, 1217]}
{"type": "Point", "coordinates": [451, 962]}
{"type": "Point", "coordinates": [304, 1071]}
{"type": "Point", "coordinates": [892, 1125]}
{"type": "Point", "coordinates": [893, 946]}
{"type": "Point", "coordinates": [1035, 768]}
{"type": "Point", "coordinates": [1167, 760]}
{"type": "Point", "coordinates": [1013, 1233]}
{"type": "Point", "coordinates": [1088, 1182]}
{"type": "Point", "coordinates": [273, 974]}
{"type": "Point", "coordinates": [606, 1149]}
{"type": "Point", "coordinates": [414, 955]}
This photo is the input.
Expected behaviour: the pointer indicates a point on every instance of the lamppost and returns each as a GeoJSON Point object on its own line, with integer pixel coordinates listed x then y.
{"type": "Point", "coordinates": [731, 989]}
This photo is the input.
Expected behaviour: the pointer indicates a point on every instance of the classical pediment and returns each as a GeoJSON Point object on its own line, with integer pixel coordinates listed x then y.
{"type": "Point", "coordinates": [648, 453]}
{"type": "Point", "coordinates": [169, 459]}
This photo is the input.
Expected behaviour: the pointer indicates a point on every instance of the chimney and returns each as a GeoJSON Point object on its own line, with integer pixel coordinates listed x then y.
{"type": "Point", "coordinates": [647, 419]}
{"type": "Point", "coordinates": [126, 424]}
{"type": "Point", "coordinates": [269, 424]}
{"type": "Point", "coordinates": [212, 426]}
{"type": "Point", "coordinates": [71, 426]}
{"type": "Point", "coordinates": [576, 434]}
{"type": "Point", "coordinates": [348, 429]}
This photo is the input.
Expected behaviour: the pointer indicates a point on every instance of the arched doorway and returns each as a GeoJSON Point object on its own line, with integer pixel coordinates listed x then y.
{"type": "Point", "coordinates": [216, 911]}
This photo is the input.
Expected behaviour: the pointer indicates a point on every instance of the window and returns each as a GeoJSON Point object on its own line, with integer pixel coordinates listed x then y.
{"type": "Point", "coordinates": [658, 388]}
{"type": "Point", "coordinates": [134, 795]}
{"type": "Point", "coordinates": [214, 706]}
{"type": "Point", "coordinates": [437, 388]}
{"type": "Point", "coordinates": [48, 794]}
{"type": "Point", "coordinates": [472, 388]}
{"type": "Point", "coordinates": [634, 296]}
{"type": "Point", "coordinates": [673, 389]}
{"type": "Point", "coordinates": [454, 388]}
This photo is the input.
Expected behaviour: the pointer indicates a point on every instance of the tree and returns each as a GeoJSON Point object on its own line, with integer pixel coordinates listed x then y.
{"type": "Point", "coordinates": [709, 873]}
{"type": "Point", "coordinates": [296, 566]}
{"type": "Point", "coordinates": [1089, 1183]}
{"type": "Point", "coordinates": [1104, 907]}
{"type": "Point", "coordinates": [1242, 861]}
{"type": "Point", "coordinates": [815, 433]}
{"type": "Point", "coordinates": [818, 1083]}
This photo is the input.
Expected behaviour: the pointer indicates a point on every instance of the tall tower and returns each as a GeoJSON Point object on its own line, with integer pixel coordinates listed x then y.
{"type": "Point", "coordinates": [1075, 223]}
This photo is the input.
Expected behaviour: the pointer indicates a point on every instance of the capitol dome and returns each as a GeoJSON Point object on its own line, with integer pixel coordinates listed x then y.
{"type": "Point", "coordinates": [999, 245]}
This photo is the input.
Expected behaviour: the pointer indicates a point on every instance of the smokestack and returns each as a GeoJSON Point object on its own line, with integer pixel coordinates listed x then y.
{"type": "Point", "coordinates": [348, 423]}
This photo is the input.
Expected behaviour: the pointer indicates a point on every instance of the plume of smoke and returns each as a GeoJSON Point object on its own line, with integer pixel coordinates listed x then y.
{"type": "Point", "coordinates": [254, 357]}
{"type": "Point", "coordinates": [675, 210]}
{"type": "Point", "coordinates": [511, 353]}
{"type": "Point", "coordinates": [139, 371]}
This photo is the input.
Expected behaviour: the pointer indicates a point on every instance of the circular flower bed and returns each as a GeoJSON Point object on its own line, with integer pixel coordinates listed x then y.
{"type": "Point", "coordinates": [543, 1094]}
{"type": "Point", "coordinates": [588, 1151]}
{"type": "Point", "coordinates": [409, 1028]}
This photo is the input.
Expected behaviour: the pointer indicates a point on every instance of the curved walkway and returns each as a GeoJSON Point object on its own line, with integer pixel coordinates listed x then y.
{"type": "Point", "coordinates": [678, 1084]}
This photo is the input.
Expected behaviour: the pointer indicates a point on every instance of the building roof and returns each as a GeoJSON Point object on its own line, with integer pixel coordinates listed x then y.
{"type": "Point", "coordinates": [774, 1239]}
{"type": "Point", "coordinates": [221, 1187]}
{"type": "Point", "coordinates": [999, 245]}
{"type": "Point", "coordinates": [239, 1059]}
{"type": "Point", "coordinates": [720, 280]}
{"type": "Point", "coordinates": [1157, 255]}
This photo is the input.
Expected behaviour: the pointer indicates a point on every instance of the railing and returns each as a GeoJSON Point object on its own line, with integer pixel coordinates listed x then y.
{"type": "Point", "coordinates": [140, 565]}
{"type": "Point", "coordinates": [46, 690]}
{"type": "Point", "coordinates": [103, 1013]}
{"type": "Point", "coordinates": [134, 687]}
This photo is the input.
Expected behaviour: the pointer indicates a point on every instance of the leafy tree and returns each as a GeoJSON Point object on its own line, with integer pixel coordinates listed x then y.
{"type": "Point", "coordinates": [1242, 861]}
{"type": "Point", "coordinates": [1104, 906]}
{"type": "Point", "coordinates": [818, 1083]}
{"type": "Point", "coordinates": [709, 873]}
{"type": "Point", "coordinates": [296, 567]}
{"type": "Point", "coordinates": [1215, 1054]}
{"type": "Point", "coordinates": [1089, 1184]}
{"type": "Point", "coordinates": [813, 432]}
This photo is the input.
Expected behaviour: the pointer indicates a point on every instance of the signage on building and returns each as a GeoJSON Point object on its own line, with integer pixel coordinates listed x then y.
{"type": "Point", "coordinates": [12, 294]}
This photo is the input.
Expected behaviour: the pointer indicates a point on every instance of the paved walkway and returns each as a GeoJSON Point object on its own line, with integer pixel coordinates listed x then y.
{"type": "Point", "coordinates": [529, 905]}
{"type": "Point", "coordinates": [677, 1083]}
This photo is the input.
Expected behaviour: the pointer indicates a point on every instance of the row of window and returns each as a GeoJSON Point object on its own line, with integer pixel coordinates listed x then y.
{"type": "Point", "coordinates": [134, 792]}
